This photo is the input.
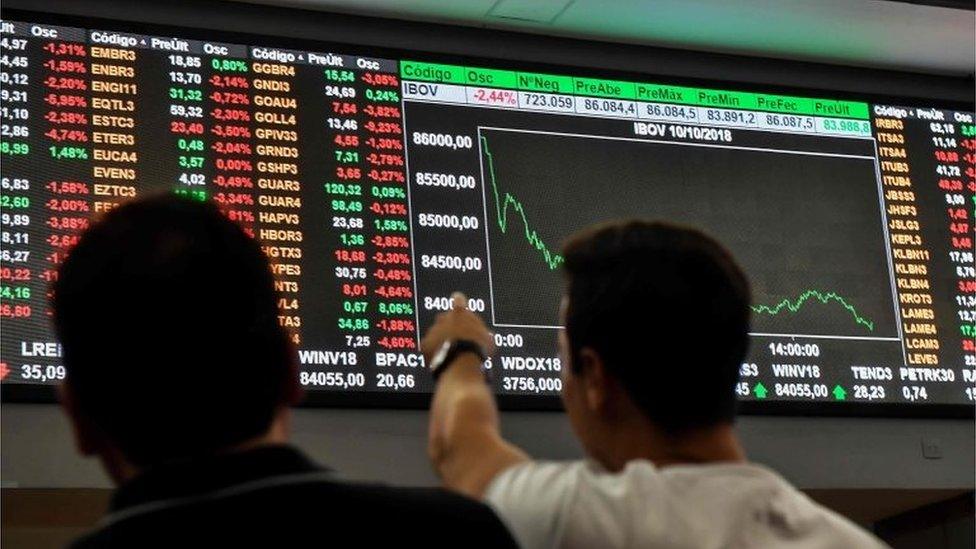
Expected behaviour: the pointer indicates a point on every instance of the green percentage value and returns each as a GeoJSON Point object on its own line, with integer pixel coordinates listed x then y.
{"type": "Point", "coordinates": [390, 225]}
{"type": "Point", "coordinates": [390, 96]}
{"type": "Point", "coordinates": [387, 192]}
{"type": "Point", "coordinates": [229, 65]}
{"type": "Point", "coordinates": [396, 308]}
{"type": "Point", "coordinates": [68, 153]}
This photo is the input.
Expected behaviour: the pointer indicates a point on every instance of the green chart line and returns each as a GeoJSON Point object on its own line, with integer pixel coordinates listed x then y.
{"type": "Point", "coordinates": [796, 304]}
{"type": "Point", "coordinates": [553, 260]}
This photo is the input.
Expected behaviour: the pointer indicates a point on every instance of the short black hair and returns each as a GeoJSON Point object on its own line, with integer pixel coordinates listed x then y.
{"type": "Point", "coordinates": [167, 314]}
{"type": "Point", "coordinates": [667, 309]}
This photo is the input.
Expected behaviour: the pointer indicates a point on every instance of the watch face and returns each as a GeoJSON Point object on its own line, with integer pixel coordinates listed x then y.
{"type": "Point", "coordinates": [438, 359]}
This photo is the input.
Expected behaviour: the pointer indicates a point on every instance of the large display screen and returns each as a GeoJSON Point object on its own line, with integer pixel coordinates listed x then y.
{"type": "Point", "coordinates": [378, 185]}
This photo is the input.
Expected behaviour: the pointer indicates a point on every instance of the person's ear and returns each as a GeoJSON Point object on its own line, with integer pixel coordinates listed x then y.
{"type": "Point", "coordinates": [87, 437]}
{"type": "Point", "coordinates": [594, 379]}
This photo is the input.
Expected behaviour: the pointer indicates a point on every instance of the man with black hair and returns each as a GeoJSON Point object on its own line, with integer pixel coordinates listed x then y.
{"type": "Point", "coordinates": [648, 307]}
{"type": "Point", "coordinates": [179, 379]}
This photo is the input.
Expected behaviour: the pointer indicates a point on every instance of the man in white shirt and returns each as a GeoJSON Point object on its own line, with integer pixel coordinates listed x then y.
{"type": "Point", "coordinates": [648, 307]}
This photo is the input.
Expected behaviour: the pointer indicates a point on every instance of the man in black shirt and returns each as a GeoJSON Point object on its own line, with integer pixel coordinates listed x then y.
{"type": "Point", "coordinates": [180, 380]}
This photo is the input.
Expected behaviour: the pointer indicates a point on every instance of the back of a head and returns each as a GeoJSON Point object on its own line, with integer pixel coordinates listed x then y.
{"type": "Point", "coordinates": [667, 309]}
{"type": "Point", "coordinates": [167, 314]}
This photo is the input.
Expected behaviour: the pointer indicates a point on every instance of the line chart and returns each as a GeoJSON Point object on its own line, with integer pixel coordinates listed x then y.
{"type": "Point", "coordinates": [537, 188]}
{"type": "Point", "coordinates": [794, 306]}
{"type": "Point", "coordinates": [553, 260]}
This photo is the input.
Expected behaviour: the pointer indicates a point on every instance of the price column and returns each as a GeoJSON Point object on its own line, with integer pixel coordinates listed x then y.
{"type": "Point", "coordinates": [345, 196]}
{"type": "Point", "coordinates": [367, 202]}
{"type": "Point", "coordinates": [16, 274]}
{"type": "Point", "coordinates": [186, 127]}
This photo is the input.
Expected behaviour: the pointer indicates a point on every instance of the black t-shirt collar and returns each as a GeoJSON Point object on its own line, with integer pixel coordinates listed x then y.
{"type": "Point", "coordinates": [190, 478]}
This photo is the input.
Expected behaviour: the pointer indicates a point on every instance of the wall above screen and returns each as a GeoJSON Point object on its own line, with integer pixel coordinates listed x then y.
{"type": "Point", "coordinates": [935, 38]}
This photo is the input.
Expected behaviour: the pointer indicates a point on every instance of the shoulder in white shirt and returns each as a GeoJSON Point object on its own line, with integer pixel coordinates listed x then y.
{"type": "Point", "coordinates": [736, 505]}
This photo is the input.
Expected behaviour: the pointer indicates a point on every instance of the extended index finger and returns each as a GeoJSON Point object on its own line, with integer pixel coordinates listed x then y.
{"type": "Point", "coordinates": [459, 301]}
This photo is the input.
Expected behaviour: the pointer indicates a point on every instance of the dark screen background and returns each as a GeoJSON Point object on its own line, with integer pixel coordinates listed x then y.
{"type": "Point", "coordinates": [797, 222]}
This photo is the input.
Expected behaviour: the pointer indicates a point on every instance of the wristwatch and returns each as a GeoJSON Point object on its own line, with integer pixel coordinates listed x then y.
{"type": "Point", "coordinates": [449, 351]}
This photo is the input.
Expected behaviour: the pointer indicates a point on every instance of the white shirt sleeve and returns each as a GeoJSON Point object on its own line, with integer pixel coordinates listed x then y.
{"type": "Point", "coordinates": [533, 500]}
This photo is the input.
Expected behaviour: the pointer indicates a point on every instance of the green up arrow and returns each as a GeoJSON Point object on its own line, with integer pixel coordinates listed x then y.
{"type": "Point", "coordinates": [839, 393]}
{"type": "Point", "coordinates": [759, 390]}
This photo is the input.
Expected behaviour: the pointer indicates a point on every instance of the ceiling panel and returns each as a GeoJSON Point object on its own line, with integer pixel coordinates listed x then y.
{"type": "Point", "coordinates": [867, 32]}
{"type": "Point", "coordinates": [538, 11]}
{"type": "Point", "coordinates": [442, 11]}
{"type": "Point", "coordinates": [871, 33]}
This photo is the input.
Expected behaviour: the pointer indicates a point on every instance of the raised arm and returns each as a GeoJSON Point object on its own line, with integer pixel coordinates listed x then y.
{"type": "Point", "coordinates": [464, 441]}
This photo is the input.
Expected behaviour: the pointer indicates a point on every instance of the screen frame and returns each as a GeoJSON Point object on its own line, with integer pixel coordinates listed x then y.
{"type": "Point", "coordinates": [29, 393]}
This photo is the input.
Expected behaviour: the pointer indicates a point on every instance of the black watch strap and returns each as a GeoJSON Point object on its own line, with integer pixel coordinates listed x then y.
{"type": "Point", "coordinates": [457, 348]}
